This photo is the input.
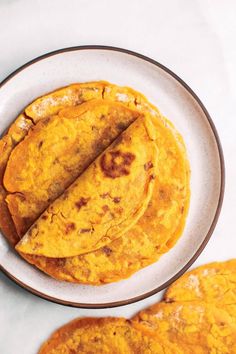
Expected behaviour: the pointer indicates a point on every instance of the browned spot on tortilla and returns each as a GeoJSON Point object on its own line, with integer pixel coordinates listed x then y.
{"type": "Point", "coordinates": [37, 245]}
{"type": "Point", "coordinates": [121, 126]}
{"type": "Point", "coordinates": [105, 208]}
{"type": "Point", "coordinates": [40, 144]}
{"type": "Point", "coordinates": [116, 200]}
{"type": "Point", "coordinates": [70, 227]}
{"type": "Point", "coordinates": [69, 169]}
{"type": "Point", "coordinates": [100, 143]}
{"type": "Point", "coordinates": [104, 195]}
{"type": "Point", "coordinates": [59, 261]}
{"type": "Point", "coordinates": [116, 163]}
{"type": "Point", "coordinates": [79, 99]}
{"type": "Point", "coordinates": [54, 188]}
{"type": "Point", "coordinates": [82, 231]}
{"type": "Point", "coordinates": [82, 202]}
{"type": "Point", "coordinates": [119, 210]}
{"type": "Point", "coordinates": [107, 250]}
{"type": "Point", "coordinates": [5, 145]}
{"type": "Point", "coordinates": [55, 262]}
{"type": "Point", "coordinates": [44, 217]}
{"type": "Point", "coordinates": [46, 121]}
{"type": "Point", "coordinates": [162, 194]}
{"type": "Point", "coordinates": [35, 226]}
{"type": "Point", "coordinates": [56, 160]}
{"type": "Point", "coordinates": [148, 165]}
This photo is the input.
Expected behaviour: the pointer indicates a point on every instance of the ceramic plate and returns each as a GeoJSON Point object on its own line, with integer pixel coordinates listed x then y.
{"type": "Point", "coordinates": [177, 102]}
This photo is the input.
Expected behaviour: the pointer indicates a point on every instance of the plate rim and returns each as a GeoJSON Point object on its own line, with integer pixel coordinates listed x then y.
{"type": "Point", "coordinates": [222, 180]}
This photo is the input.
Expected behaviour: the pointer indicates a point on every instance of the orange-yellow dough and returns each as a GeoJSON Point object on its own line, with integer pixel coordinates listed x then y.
{"type": "Point", "coordinates": [51, 104]}
{"type": "Point", "coordinates": [165, 217]}
{"type": "Point", "coordinates": [101, 336]}
{"type": "Point", "coordinates": [156, 231]}
{"type": "Point", "coordinates": [55, 152]}
{"type": "Point", "coordinates": [213, 283]}
{"type": "Point", "coordinates": [199, 311]}
{"type": "Point", "coordinates": [75, 94]}
{"type": "Point", "coordinates": [16, 132]}
{"type": "Point", "coordinates": [196, 327]}
{"type": "Point", "coordinates": [104, 202]}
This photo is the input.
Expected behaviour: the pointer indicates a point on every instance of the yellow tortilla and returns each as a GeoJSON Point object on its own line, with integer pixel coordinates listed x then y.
{"type": "Point", "coordinates": [55, 152]}
{"type": "Point", "coordinates": [75, 94]}
{"type": "Point", "coordinates": [164, 220]}
{"type": "Point", "coordinates": [103, 203]}
{"type": "Point", "coordinates": [194, 327]}
{"type": "Point", "coordinates": [16, 133]}
{"type": "Point", "coordinates": [199, 311]}
{"type": "Point", "coordinates": [101, 336]}
{"type": "Point", "coordinates": [183, 327]}
{"type": "Point", "coordinates": [68, 96]}
{"type": "Point", "coordinates": [213, 283]}
{"type": "Point", "coordinates": [51, 104]}
{"type": "Point", "coordinates": [115, 262]}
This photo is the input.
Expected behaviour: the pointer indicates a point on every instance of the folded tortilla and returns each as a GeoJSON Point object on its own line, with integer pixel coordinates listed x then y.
{"type": "Point", "coordinates": [46, 106]}
{"type": "Point", "coordinates": [16, 133]}
{"type": "Point", "coordinates": [125, 255]}
{"type": "Point", "coordinates": [51, 104]}
{"type": "Point", "coordinates": [104, 202]}
{"type": "Point", "coordinates": [154, 234]}
{"type": "Point", "coordinates": [55, 152]}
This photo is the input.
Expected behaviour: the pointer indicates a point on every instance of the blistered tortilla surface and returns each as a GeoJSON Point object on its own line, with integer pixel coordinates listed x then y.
{"type": "Point", "coordinates": [55, 152]}
{"type": "Point", "coordinates": [101, 335]}
{"type": "Point", "coordinates": [104, 202]}
{"type": "Point", "coordinates": [195, 327]}
{"type": "Point", "coordinates": [46, 106]}
{"type": "Point", "coordinates": [155, 232]}
{"type": "Point", "coordinates": [213, 283]}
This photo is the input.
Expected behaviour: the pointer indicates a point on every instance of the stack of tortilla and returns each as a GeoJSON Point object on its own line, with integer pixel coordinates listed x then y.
{"type": "Point", "coordinates": [94, 183]}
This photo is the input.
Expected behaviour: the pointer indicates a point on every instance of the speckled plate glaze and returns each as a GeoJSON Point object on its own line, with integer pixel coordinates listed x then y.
{"type": "Point", "coordinates": [176, 101]}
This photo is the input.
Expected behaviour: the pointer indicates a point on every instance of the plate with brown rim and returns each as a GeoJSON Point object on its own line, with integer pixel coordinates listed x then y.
{"type": "Point", "coordinates": [181, 105]}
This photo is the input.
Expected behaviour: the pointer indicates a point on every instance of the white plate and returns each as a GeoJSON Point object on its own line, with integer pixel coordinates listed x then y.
{"type": "Point", "coordinates": [176, 101]}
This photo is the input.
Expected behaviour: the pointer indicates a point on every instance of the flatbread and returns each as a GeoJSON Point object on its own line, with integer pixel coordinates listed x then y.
{"type": "Point", "coordinates": [101, 336]}
{"type": "Point", "coordinates": [195, 327]}
{"type": "Point", "coordinates": [182, 327]}
{"type": "Point", "coordinates": [213, 283]}
{"type": "Point", "coordinates": [116, 261]}
{"type": "Point", "coordinates": [75, 94]}
{"type": "Point", "coordinates": [103, 203]}
{"type": "Point", "coordinates": [164, 220]}
{"type": "Point", "coordinates": [17, 132]}
{"type": "Point", "coordinates": [55, 153]}
{"type": "Point", "coordinates": [50, 104]}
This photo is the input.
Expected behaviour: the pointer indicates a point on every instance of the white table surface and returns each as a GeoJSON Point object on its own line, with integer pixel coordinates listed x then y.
{"type": "Point", "coordinates": [196, 39]}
